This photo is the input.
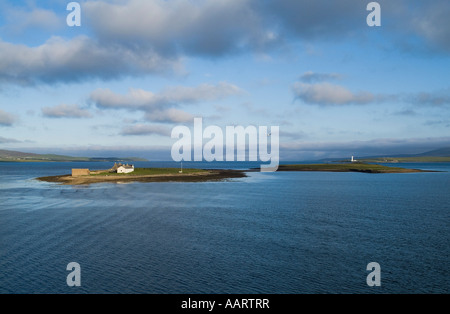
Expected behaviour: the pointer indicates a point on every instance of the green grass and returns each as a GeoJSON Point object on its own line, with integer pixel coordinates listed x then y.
{"type": "Point", "coordinates": [150, 171]}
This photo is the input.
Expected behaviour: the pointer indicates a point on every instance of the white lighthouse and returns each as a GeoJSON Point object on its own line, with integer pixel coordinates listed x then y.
{"type": "Point", "coordinates": [353, 160]}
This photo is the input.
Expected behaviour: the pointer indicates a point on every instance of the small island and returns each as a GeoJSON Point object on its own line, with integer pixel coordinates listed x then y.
{"type": "Point", "coordinates": [348, 167]}
{"type": "Point", "coordinates": [145, 175]}
{"type": "Point", "coordinates": [84, 176]}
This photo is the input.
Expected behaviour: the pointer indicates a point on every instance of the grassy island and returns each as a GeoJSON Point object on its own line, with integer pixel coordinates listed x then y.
{"type": "Point", "coordinates": [148, 172]}
{"type": "Point", "coordinates": [146, 175]}
{"type": "Point", "coordinates": [347, 167]}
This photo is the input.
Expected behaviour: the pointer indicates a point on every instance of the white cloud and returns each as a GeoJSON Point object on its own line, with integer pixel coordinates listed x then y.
{"type": "Point", "coordinates": [65, 111]}
{"type": "Point", "coordinates": [160, 106]}
{"type": "Point", "coordinates": [330, 94]}
{"type": "Point", "coordinates": [135, 37]}
{"type": "Point", "coordinates": [73, 60]}
{"type": "Point", "coordinates": [6, 119]}
{"type": "Point", "coordinates": [20, 20]}
{"type": "Point", "coordinates": [207, 27]}
{"type": "Point", "coordinates": [169, 115]}
{"type": "Point", "coordinates": [326, 94]}
{"type": "Point", "coordinates": [203, 92]}
{"type": "Point", "coordinates": [138, 99]}
{"type": "Point", "coordinates": [145, 129]}
{"type": "Point", "coordinates": [432, 23]}
{"type": "Point", "coordinates": [312, 77]}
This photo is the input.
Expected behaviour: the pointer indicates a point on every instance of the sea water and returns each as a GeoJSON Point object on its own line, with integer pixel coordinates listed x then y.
{"type": "Point", "coordinates": [284, 232]}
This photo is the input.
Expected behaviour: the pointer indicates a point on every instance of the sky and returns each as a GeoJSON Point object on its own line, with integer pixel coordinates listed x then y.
{"type": "Point", "coordinates": [118, 84]}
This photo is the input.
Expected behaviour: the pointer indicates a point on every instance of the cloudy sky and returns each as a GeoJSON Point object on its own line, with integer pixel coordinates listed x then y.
{"type": "Point", "coordinates": [134, 69]}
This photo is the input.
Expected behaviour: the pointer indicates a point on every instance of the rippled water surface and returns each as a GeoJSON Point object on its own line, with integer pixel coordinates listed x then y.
{"type": "Point", "coordinates": [286, 232]}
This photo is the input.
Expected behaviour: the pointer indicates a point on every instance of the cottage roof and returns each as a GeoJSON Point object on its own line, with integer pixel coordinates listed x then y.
{"type": "Point", "coordinates": [127, 166]}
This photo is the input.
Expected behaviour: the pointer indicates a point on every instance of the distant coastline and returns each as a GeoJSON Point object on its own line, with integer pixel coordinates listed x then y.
{"type": "Point", "coordinates": [407, 159]}
{"type": "Point", "coordinates": [14, 156]}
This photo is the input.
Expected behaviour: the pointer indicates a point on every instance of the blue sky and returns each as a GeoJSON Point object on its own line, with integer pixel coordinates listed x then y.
{"type": "Point", "coordinates": [118, 84]}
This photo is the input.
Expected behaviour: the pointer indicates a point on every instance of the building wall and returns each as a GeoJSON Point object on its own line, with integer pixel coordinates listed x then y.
{"type": "Point", "coordinates": [124, 170]}
{"type": "Point", "coordinates": [80, 172]}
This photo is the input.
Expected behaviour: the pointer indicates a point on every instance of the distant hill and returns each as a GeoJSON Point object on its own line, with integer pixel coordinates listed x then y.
{"type": "Point", "coordinates": [437, 155]}
{"type": "Point", "coordinates": [441, 152]}
{"type": "Point", "coordinates": [8, 155]}
{"type": "Point", "coordinates": [406, 159]}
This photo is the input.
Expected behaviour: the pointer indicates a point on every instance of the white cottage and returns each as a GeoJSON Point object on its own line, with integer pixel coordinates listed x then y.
{"type": "Point", "coordinates": [125, 168]}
